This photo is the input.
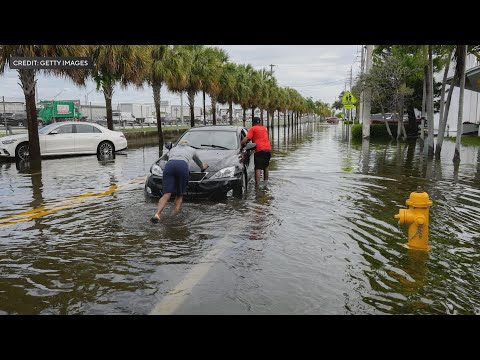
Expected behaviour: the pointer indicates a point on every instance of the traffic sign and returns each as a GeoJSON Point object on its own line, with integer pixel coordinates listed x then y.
{"type": "Point", "coordinates": [348, 99]}
{"type": "Point", "coordinates": [349, 106]}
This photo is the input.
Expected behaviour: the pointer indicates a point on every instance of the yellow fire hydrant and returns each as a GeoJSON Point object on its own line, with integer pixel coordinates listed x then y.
{"type": "Point", "coordinates": [416, 216]}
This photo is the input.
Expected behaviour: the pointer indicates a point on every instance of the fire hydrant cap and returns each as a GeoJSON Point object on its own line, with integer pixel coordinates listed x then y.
{"type": "Point", "coordinates": [419, 199]}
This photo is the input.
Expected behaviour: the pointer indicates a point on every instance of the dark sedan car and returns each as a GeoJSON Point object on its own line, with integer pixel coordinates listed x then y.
{"type": "Point", "coordinates": [14, 119]}
{"type": "Point", "coordinates": [230, 167]}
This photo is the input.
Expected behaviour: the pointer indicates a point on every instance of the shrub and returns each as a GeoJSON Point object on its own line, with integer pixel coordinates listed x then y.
{"type": "Point", "coordinates": [357, 132]}
{"type": "Point", "coordinates": [377, 131]}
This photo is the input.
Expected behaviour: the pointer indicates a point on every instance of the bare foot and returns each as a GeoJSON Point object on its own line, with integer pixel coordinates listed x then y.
{"type": "Point", "coordinates": [175, 212]}
{"type": "Point", "coordinates": [155, 218]}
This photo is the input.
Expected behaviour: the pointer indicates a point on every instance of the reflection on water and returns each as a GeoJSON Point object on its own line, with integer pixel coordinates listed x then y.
{"type": "Point", "coordinates": [321, 239]}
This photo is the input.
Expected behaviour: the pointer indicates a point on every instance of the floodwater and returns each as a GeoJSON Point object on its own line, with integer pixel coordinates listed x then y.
{"type": "Point", "coordinates": [321, 239]}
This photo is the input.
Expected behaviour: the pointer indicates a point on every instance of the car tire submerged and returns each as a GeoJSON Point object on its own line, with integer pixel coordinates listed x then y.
{"type": "Point", "coordinates": [105, 149]}
{"type": "Point", "coordinates": [240, 190]}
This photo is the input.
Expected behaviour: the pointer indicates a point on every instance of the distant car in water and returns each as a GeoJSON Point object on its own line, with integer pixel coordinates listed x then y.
{"type": "Point", "coordinates": [230, 167]}
{"type": "Point", "coordinates": [391, 118]}
{"type": "Point", "coordinates": [332, 120]}
{"type": "Point", "coordinates": [66, 138]}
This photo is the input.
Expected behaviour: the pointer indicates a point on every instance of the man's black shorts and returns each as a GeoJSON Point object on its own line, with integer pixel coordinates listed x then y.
{"type": "Point", "coordinates": [262, 159]}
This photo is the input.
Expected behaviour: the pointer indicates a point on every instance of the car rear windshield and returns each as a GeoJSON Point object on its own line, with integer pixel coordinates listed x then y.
{"type": "Point", "coordinates": [47, 129]}
{"type": "Point", "coordinates": [215, 139]}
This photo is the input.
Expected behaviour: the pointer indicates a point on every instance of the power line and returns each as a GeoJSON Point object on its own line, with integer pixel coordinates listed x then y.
{"type": "Point", "coordinates": [318, 84]}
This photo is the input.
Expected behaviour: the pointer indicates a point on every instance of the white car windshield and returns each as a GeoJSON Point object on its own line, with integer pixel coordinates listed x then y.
{"type": "Point", "coordinates": [47, 129]}
{"type": "Point", "coordinates": [215, 139]}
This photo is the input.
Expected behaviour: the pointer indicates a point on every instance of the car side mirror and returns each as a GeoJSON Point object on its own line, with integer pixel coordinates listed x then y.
{"type": "Point", "coordinates": [169, 145]}
{"type": "Point", "coordinates": [250, 146]}
{"type": "Point", "coordinates": [53, 132]}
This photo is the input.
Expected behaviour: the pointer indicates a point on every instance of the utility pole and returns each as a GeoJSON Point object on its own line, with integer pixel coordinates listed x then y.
{"type": "Point", "coordinates": [271, 68]}
{"type": "Point", "coordinates": [5, 116]}
{"type": "Point", "coordinates": [361, 105]}
{"type": "Point", "coordinates": [181, 107]}
{"type": "Point", "coordinates": [368, 96]}
{"type": "Point", "coordinates": [351, 84]}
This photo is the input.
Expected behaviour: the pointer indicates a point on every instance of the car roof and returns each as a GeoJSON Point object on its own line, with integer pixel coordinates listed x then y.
{"type": "Point", "coordinates": [76, 122]}
{"type": "Point", "coordinates": [216, 127]}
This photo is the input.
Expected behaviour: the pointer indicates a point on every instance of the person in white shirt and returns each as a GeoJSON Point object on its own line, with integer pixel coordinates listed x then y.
{"type": "Point", "coordinates": [175, 176]}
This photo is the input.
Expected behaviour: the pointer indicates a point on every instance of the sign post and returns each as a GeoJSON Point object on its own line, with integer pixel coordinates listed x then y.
{"type": "Point", "coordinates": [348, 101]}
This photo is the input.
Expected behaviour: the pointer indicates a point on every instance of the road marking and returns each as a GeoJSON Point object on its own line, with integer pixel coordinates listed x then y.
{"type": "Point", "coordinates": [176, 297]}
{"type": "Point", "coordinates": [64, 204]}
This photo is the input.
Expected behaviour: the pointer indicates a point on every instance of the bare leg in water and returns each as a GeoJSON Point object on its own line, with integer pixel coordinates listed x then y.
{"type": "Point", "coordinates": [177, 205]}
{"type": "Point", "coordinates": [258, 174]}
{"type": "Point", "coordinates": [161, 205]}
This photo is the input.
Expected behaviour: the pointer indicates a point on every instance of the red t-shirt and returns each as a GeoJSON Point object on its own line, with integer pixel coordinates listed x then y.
{"type": "Point", "coordinates": [259, 135]}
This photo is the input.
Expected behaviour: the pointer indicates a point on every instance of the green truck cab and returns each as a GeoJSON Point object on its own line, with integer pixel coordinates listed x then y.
{"type": "Point", "coordinates": [55, 111]}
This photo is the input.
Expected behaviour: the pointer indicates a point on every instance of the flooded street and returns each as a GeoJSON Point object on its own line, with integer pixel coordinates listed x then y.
{"type": "Point", "coordinates": [321, 239]}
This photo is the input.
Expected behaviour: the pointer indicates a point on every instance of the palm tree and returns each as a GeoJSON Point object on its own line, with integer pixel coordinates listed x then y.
{"type": "Point", "coordinates": [214, 59]}
{"type": "Point", "coordinates": [243, 87]}
{"type": "Point", "coordinates": [265, 80]}
{"type": "Point", "coordinates": [126, 64]}
{"type": "Point", "coordinates": [166, 67]}
{"type": "Point", "coordinates": [198, 68]}
{"type": "Point", "coordinates": [28, 81]}
{"type": "Point", "coordinates": [228, 82]}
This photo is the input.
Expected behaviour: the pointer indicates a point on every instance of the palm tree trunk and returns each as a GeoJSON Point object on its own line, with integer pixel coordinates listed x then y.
{"type": "Point", "coordinates": [386, 122]}
{"type": "Point", "coordinates": [278, 120]}
{"type": "Point", "coordinates": [230, 109]}
{"type": "Point", "coordinates": [204, 110]}
{"type": "Point", "coordinates": [107, 88]}
{"type": "Point", "coordinates": [191, 104]}
{"type": "Point", "coordinates": [244, 116]}
{"type": "Point", "coordinates": [443, 115]}
{"type": "Point", "coordinates": [455, 79]}
{"type": "Point", "coordinates": [284, 118]}
{"type": "Point", "coordinates": [27, 79]}
{"type": "Point", "coordinates": [214, 110]}
{"type": "Point", "coordinates": [424, 110]}
{"type": "Point", "coordinates": [156, 98]}
{"type": "Point", "coordinates": [430, 142]}
{"type": "Point", "coordinates": [401, 127]}
{"type": "Point", "coordinates": [261, 115]}
{"type": "Point", "coordinates": [461, 58]}
{"type": "Point", "coordinates": [253, 112]}
{"type": "Point", "coordinates": [268, 119]}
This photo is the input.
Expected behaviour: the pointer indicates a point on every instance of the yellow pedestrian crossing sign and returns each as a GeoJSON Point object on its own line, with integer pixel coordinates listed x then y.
{"type": "Point", "coordinates": [348, 100]}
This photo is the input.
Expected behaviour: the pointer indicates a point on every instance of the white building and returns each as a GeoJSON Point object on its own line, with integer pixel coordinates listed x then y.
{"type": "Point", "coordinates": [138, 110]}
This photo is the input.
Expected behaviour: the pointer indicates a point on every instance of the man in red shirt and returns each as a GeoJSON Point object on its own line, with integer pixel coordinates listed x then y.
{"type": "Point", "coordinates": [259, 135]}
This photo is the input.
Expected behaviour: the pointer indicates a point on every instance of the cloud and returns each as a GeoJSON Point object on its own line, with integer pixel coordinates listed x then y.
{"type": "Point", "coordinates": [319, 71]}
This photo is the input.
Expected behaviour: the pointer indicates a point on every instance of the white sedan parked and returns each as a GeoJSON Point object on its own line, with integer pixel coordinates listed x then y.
{"type": "Point", "coordinates": [66, 138]}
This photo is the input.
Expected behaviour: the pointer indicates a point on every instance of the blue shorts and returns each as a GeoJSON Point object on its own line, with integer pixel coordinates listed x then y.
{"type": "Point", "coordinates": [175, 177]}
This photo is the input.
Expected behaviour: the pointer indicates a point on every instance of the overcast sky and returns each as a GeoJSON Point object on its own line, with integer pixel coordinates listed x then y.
{"type": "Point", "coordinates": [319, 71]}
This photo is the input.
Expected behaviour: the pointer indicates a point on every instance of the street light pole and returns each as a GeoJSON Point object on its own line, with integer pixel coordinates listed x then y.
{"type": "Point", "coordinates": [5, 116]}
